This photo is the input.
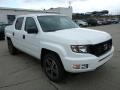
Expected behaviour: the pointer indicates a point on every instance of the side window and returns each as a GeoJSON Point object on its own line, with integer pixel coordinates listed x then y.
{"type": "Point", "coordinates": [19, 22]}
{"type": "Point", "coordinates": [30, 24]}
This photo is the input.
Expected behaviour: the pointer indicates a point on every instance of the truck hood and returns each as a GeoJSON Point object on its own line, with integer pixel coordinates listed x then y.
{"type": "Point", "coordinates": [81, 36]}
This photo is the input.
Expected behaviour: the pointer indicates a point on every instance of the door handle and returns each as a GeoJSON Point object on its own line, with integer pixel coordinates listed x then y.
{"type": "Point", "coordinates": [13, 33]}
{"type": "Point", "coordinates": [23, 36]}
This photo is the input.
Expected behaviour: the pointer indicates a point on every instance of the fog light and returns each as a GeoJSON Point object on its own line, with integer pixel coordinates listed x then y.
{"type": "Point", "coordinates": [80, 66]}
{"type": "Point", "coordinates": [84, 66]}
{"type": "Point", "coordinates": [76, 66]}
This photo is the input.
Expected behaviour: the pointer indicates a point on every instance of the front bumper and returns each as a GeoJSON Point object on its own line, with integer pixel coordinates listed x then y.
{"type": "Point", "coordinates": [93, 62]}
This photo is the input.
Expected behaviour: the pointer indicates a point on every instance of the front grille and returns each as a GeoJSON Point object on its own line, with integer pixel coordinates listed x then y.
{"type": "Point", "coordinates": [101, 48]}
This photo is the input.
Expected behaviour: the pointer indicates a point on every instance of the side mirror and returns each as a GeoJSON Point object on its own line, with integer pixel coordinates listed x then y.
{"type": "Point", "coordinates": [32, 31]}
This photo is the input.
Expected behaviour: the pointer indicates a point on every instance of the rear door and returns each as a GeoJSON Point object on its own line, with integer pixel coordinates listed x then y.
{"type": "Point", "coordinates": [18, 33]}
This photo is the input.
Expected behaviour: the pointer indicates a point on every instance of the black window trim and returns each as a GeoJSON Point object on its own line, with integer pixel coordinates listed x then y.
{"type": "Point", "coordinates": [16, 22]}
{"type": "Point", "coordinates": [25, 24]}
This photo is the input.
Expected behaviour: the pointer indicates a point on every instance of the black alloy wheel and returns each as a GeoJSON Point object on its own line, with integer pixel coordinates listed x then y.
{"type": "Point", "coordinates": [53, 67]}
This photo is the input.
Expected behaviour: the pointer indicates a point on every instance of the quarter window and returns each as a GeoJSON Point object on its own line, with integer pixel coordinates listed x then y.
{"type": "Point", "coordinates": [18, 24]}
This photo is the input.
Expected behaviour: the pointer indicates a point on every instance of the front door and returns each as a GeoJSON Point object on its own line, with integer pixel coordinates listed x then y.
{"type": "Point", "coordinates": [31, 40]}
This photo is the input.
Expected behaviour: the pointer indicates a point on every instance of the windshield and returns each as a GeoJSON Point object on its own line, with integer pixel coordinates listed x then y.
{"type": "Point", "coordinates": [54, 23]}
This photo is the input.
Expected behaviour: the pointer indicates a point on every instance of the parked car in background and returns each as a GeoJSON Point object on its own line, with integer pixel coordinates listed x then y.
{"type": "Point", "coordinates": [115, 20]}
{"type": "Point", "coordinates": [2, 30]}
{"type": "Point", "coordinates": [92, 22]}
{"type": "Point", "coordinates": [81, 23]}
{"type": "Point", "coordinates": [108, 21]}
{"type": "Point", "coordinates": [99, 22]}
{"type": "Point", "coordinates": [102, 22]}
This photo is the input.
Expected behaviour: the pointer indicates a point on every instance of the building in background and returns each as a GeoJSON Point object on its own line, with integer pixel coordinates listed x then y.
{"type": "Point", "coordinates": [8, 15]}
{"type": "Point", "coordinates": [61, 10]}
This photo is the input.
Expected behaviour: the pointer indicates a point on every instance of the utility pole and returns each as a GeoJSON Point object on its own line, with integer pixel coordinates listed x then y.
{"type": "Point", "coordinates": [70, 6]}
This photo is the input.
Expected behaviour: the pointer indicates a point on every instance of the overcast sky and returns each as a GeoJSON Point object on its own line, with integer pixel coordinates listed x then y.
{"type": "Point", "coordinates": [79, 6]}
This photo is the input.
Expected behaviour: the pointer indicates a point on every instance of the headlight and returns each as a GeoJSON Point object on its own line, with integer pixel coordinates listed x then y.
{"type": "Point", "coordinates": [79, 48]}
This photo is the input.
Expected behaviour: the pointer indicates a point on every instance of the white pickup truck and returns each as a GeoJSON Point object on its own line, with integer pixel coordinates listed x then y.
{"type": "Point", "coordinates": [59, 43]}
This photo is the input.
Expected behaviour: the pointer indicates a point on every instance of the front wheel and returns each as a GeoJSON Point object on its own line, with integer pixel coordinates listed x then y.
{"type": "Point", "coordinates": [53, 67]}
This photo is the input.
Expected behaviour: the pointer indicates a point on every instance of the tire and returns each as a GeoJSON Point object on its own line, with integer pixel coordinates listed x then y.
{"type": "Point", "coordinates": [1, 37]}
{"type": "Point", "coordinates": [53, 67]}
{"type": "Point", "coordinates": [11, 48]}
{"type": "Point", "coordinates": [80, 25]}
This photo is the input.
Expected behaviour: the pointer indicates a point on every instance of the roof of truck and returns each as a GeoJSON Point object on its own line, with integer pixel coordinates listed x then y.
{"type": "Point", "coordinates": [40, 14]}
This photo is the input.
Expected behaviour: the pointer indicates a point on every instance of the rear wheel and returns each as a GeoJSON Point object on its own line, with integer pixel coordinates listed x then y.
{"type": "Point", "coordinates": [81, 25]}
{"type": "Point", "coordinates": [11, 48]}
{"type": "Point", "coordinates": [53, 67]}
{"type": "Point", "coordinates": [2, 37]}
